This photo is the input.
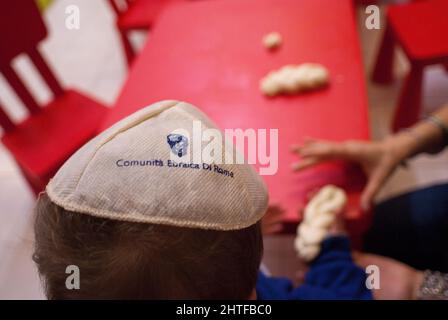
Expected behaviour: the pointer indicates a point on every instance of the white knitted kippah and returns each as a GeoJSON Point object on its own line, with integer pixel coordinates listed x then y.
{"type": "Point", "coordinates": [125, 173]}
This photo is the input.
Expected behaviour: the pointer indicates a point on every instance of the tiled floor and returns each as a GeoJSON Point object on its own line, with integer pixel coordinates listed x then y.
{"type": "Point", "coordinates": [91, 59]}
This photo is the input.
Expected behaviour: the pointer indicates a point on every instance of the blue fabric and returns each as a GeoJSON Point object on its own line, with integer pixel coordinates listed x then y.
{"type": "Point", "coordinates": [413, 228]}
{"type": "Point", "coordinates": [332, 276]}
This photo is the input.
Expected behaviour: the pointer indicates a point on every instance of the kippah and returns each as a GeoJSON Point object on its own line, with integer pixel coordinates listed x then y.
{"type": "Point", "coordinates": [141, 170]}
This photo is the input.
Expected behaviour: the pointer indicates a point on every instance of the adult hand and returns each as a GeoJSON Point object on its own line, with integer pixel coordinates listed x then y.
{"type": "Point", "coordinates": [377, 159]}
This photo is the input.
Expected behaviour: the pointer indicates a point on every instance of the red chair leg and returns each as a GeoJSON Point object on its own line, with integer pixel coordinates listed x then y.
{"type": "Point", "coordinates": [35, 184]}
{"type": "Point", "coordinates": [409, 105]}
{"type": "Point", "coordinates": [382, 72]}
{"type": "Point", "coordinates": [127, 46]}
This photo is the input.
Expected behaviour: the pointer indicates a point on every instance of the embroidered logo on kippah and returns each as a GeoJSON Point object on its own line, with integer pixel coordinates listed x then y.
{"type": "Point", "coordinates": [178, 144]}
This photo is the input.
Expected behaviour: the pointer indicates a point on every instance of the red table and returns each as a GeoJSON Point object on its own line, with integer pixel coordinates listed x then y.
{"type": "Point", "coordinates": [210, 53]}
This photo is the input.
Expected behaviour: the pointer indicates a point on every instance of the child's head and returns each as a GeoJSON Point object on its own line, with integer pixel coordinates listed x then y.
{"type": "Point", "coordinates": [137, 227]}
{"type": "Point", "coordinates": [130, 260]}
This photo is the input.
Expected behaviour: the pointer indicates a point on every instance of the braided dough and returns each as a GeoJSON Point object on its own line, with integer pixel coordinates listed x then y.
{"type": "Point", "coordinates": [294, 78]}
{"type": "Point", "coordinates": [272, 40]}
{"type": "Point", "coordinates": [319, 215]}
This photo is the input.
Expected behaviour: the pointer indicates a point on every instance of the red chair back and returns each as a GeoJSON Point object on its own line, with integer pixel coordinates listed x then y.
{"type": "Point", "coordinates": [21, 30]}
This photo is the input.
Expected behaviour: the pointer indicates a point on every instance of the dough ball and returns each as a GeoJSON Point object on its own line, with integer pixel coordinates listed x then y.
{"type": "Point", "coordinates": [272, 40]}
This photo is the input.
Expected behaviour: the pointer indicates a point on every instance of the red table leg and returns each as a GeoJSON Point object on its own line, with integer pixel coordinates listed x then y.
{"type": "Point", "coordinates": [382, 72]}
{"type": "Point", "coordinates": [409, 105]}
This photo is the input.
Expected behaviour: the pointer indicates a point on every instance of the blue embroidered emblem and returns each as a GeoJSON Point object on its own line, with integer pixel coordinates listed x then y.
{"type": "Point", "coordinates": [178, 144]}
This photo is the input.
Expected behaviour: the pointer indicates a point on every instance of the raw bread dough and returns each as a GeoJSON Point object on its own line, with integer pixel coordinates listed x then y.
{"type": "Point", "coordinates": [294, 78]}
{"type": "Point", "coordinates": [319, 215]}
{"type": "Point", "coordinates": [272, 40]}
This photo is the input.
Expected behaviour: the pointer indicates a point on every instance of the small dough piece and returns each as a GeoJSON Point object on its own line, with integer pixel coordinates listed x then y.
{"type": "Point", "coordinates": [272, 40]}
{"type": "Point", "coordinates": [319, 215]}
{"type": "Point", "coordinates": [292, 79]}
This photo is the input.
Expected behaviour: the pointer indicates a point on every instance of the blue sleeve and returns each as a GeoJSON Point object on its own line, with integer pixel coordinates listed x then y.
{"type": "Point", "coordinates": [332, 275]}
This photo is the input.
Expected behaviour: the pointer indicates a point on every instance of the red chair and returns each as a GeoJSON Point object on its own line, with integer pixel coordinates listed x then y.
{"type": "Point", "coordinates": [365, 2]}
{"type": "Point", "coordinates": [42, 142]}
{"type": "Point", "coordinates": [421, 29]}
{"type": "Point", "coordinates": [135, 15]}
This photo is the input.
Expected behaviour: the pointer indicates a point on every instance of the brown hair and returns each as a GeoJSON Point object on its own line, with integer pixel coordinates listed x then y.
{"type": "Point", "coordinates": [127, 260]}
